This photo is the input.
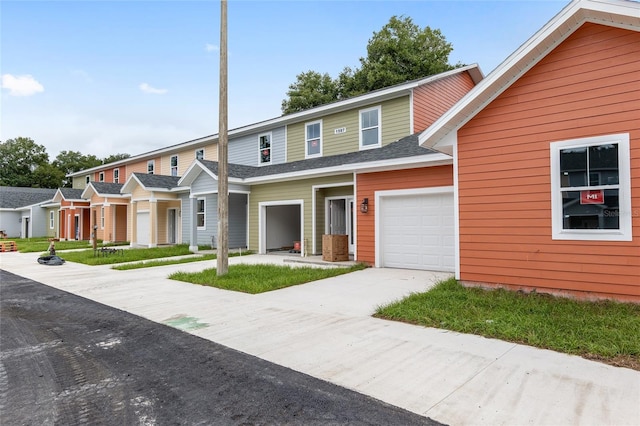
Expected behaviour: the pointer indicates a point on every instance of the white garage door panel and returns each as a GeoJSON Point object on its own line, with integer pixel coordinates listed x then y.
{"type": "Point", "coordinates": [417, 232]}
{"type": "Point", "coordinates": [142, 228]}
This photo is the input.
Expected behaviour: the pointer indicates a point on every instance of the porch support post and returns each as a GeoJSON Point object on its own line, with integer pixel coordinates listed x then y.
{"type": "Point", "coordinates": [134, 224]}
{"type": "Point", "coordinates": [153, 223]}
{"type": "Point", "coordinates": [193, 225]}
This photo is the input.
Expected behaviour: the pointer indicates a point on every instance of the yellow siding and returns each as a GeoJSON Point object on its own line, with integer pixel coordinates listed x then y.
{"type": "Point", "coordinates": [281, 191]}
{"type": "Point", "coordinates": [396, 123]}
{"type": "Point", "coordinates": [185, 158]}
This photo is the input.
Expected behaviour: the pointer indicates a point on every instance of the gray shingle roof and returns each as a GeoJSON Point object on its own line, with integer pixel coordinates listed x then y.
{"type": "Point", "coordinates": [15, 197]}
{"type": "Point", "coordinates": [106, 187]}
{"type": "Point", "coordinates": [157, 181]}
{"type": "Point", "coordinates": [71, 193]}
{"type": "Point", "coordinates": [403, 148]}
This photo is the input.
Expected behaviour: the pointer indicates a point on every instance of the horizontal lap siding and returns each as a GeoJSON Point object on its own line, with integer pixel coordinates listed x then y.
{"type": "Point", "coordinates": [588, 86]}
{"type": "Point", "coordinates": [432, 100]}
{"type": "Point", "coordinates": [367, 185]}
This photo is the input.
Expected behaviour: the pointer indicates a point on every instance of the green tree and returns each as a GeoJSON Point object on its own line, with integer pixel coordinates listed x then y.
{"type": "Point", "coordinates": [310, 89]}
{"type": "Point", "coordinates": [74, 161]}
{"type": "Point", "coordinates": [401, 51]}
{"type": "Point", "coordinates": [47, 176]}
{"type": "Point", "coordinates": [19, 159]}
{"type": "Point", "coordinates": [115, 157]}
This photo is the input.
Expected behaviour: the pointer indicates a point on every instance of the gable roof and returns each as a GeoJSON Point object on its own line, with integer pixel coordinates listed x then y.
{"type": "Point", "coordinates": [442, 134]}
{"type": "Point", "coordinates": [405, 151]}
{"type": "Point", "coordinates": [150, 182]}
{"type": "Point", "coordinates": [12, 197]}
{"type": "Point", "coordinates": [102, 189]}
{"type": "Point", "coordinates": [379, 95]}
{"type": "Point", "coordinates": [68, 194]}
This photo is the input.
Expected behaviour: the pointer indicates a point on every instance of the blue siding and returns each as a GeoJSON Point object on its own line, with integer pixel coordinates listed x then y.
{"type": "Point", "coordinates": [244, 150]}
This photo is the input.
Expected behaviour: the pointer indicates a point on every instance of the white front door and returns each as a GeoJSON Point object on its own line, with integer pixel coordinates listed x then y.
{"type": "Point", "coordinates": [340, 218]}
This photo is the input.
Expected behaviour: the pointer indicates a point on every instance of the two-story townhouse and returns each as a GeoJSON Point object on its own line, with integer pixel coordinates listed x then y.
{"type": "Point", "coordinates": [111, 223]}
{"type": "Point", "coordinates": [295, 188]}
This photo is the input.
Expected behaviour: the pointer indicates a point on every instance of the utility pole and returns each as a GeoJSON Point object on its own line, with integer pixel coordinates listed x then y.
{"type": "Point", "coordinates": [223, 136]}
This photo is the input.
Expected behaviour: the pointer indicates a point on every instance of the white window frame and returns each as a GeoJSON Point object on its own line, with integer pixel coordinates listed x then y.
{"type": "Point", "coordinates": [151, 167]}
{"type": "Point", "coordinates": [196, 154]}
{"type": "Point", "coordinates": [203, 213]}
{"type": "Point", "coordinates": [173, 170]}
{"type": "Point", "coordinates": [101, 177]}
{"type": "Point", "coordinates": [361, 129]}
{"type": "Point", "coordinates": [307, 140]}
{"type": "Point", "coordinates": [87, 179]}
{"type": "Point", "coordinates": [101, 217]}
{"type": "Point", "coordinates": [116, 175]}
{"type": "Point", "coordinates": [52, 223]}
{"type": "Point", "coordinates": [260, 136]}
{"type": "Point", "coordinates": [624, 233]}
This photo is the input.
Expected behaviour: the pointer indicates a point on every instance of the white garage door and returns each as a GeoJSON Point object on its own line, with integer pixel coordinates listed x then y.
{"type": "Point", "coordinates": [417, 232]}
{"type": "Point", "coordinates": [142, 228]}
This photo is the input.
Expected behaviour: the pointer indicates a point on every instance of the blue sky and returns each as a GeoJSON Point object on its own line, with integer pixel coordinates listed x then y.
{"type": "Point", "coordinates": [105, 77]}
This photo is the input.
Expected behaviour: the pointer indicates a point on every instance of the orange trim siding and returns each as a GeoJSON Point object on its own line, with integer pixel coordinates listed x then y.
{"type": "Point", "coordinates": [368, 183]}
{"type": "Point", "coordinates": [588, 86]}
{"type": "Point", "coordinates": [432, 100]}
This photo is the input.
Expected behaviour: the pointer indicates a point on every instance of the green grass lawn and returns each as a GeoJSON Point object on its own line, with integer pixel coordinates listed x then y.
{"type": "Point", "coordinates": [165, 262]}
{"type": "Point", "coordinates": [604, 330]}
{"type": "Point", "coordinates": [88, 257]}
{"type": "Point", "coordinates": [255, 279]}
{"type": "Point", "coordinates": [34, 245]}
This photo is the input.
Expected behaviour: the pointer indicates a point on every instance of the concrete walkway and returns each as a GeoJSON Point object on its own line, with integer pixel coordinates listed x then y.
{"type": "Point", "coordinates": [325, 329]}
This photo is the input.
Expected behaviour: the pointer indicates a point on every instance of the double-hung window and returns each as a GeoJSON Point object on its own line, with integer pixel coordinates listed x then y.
{"type": "Point", "coordinates": [52, 222]}
{"type": "Point", "coordinates": [265, 149]}
{"type": "Point", "coordinates": [101, 177]}
{"type": "Point", "coordinates": [116, 175]}
{"type": "Point", "coordinates": [87, 179]}
{"type": "Point", "coordinates": [174, 165]}
{"type": "Point", "coordinates": [370, 132]}
{"type": "Point", "coordinates": [151, 165]}
{"type": "Point", "coordinates": [101, 217]}
{"type": "Point", "coordinates": [313, 139]}
{"type": "Point", "coordinates": [200, 154]}
{"type": "Point", "coordinates": [591, 189]}
{"type": "Point", "coordinates": [200, 213]}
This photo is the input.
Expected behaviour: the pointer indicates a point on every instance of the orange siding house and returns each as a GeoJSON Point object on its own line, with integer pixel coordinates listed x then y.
{"type": "Point", "coordinates": [548, 160]}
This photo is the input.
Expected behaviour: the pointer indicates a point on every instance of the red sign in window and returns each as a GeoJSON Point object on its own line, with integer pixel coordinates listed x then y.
{"type": "Point", "coordinates": [592, 197]}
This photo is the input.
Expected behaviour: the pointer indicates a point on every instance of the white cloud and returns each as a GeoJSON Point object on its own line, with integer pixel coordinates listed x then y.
{"type": "Point", "coordinates": [148, 89]}
{"type": "Point", "coordinates": [211, 47]}
{"type": "Point", "coordinates": [21, 85]}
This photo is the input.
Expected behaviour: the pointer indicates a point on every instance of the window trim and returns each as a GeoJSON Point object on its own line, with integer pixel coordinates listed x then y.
{"type": "Point", "coordinates": [306, 140]}
{"type": "Point", "coordinates": [379, 144]}
{"type": "Point", "coordinates": [116, 175]}
{"type": "Point", "coordinates": [151, 166]}
{"type": "Point", "coordinates": [101, 177]}
{"type": "Point", "coordinates": [52, 220]}
{"type": "Point", "coordinates": [196, 153]}
{"type": "Point", "coordinates": [203, 213]}
{"type": "Point", "coordinates": [624, 233]}
{"type": "Point", "coordinates": [171, 167]}
{"type": "Point", "coordinates": [260, 163]}
{"type": "Point", "coordinates": [102, 217]}
{"type": "Point", "coordinates": [87, 179]}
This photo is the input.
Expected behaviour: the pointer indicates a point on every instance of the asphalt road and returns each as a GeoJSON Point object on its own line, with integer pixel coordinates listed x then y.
{"type": "Point", "coordinates": [71, 361]}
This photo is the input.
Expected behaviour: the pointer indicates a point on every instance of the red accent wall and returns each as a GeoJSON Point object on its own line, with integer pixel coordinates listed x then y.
{"type": "Point", "coordinates": [588, 86]}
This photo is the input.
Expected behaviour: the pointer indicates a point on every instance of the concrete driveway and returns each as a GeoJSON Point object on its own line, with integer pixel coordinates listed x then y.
{"type": "Point", "coordinates": [325, 329]}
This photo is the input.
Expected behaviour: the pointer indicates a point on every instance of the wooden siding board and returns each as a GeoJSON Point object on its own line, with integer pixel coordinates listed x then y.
{"type": "Point", "coordinates": [588, 86]}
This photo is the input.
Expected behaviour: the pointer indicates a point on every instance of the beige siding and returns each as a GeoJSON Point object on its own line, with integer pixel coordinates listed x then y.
{"type": "Point", "coordinates": [139, 193]}
{"type": "Point", "coordinates": [396, 124]}
{"type": "Point", "coordinates": [185, 158]}
{"type": "Point", "coordinates": [281, 191]}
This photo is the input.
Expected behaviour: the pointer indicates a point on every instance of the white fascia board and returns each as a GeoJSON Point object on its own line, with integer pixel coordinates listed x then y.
{"type": "Point", "coordinates": [416, 161]}
{"type": "Point", "coordinates": [125, 188]}
{"type": "Point", "coordinates": [149, 154]}
{"type": "Point", "coordinates": [48, 205]}
{"type": "Point", "coordinates": [574, 15]}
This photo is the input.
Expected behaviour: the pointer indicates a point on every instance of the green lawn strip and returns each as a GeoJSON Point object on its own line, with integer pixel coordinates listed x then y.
{"type": "Point", "coordinates": [165, 262]}
{"type": "Point", "coordinates": [88, 257]}
{"type": "Point", "coordinates": [255, 279]}
{"type": "Point", "coordinates": [34, 245]}
{"type": "Point", "coordinates": [604, 330]}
